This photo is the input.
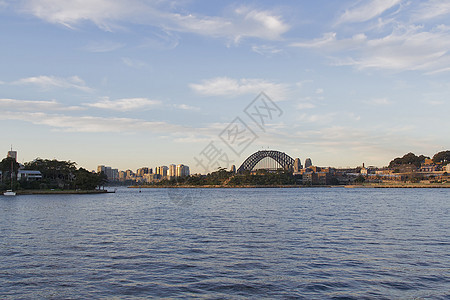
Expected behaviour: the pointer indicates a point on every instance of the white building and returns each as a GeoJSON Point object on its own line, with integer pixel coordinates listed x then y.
{"type": "Point", "coordinates": [29, 175]}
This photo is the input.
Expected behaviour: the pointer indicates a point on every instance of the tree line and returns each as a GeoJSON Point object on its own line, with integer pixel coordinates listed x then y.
{"type": "Point", "coordinates": [55, 175]}
{"type": "Point", "coordinates": [442, 157]}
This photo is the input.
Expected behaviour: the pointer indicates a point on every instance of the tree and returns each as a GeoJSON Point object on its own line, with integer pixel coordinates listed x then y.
{"type": "Point", "coordinates": [408, 159]}
{"type": "Point", "coordinates": [360, 179]}
{"type": "Point", "coordinates": [86, 180]}
{"type": "Point", "coordinates": [53, 169]}
{"type": "Point", "coordinates": [5, 167]}
{"type": "Point", "coordinates": [442, 157]}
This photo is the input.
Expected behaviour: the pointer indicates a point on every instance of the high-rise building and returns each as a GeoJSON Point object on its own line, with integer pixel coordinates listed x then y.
{"type": "Point", "coordinates": [297, 165]}
{"type": "Point", "coordinates": [142, 171]}
{"type": "Point", "coordinates": [130, 175]}
{"type": "Point", "coordinates": [308, 163]}
{"type": "Point", "coordinates": [108, 172]}
{"type": "Point", "coordinates": [115, 174]}
{"type": "Point", "coordinates": [12, 154]}
{"type": "Point", "coordinates": [182, 170]}
{"type": "Point", "coordinates": [172, 171]}
{"type": "Point", "coordinates": [233, 169]}
{"type": "Point", "coordinates": [162, 171]}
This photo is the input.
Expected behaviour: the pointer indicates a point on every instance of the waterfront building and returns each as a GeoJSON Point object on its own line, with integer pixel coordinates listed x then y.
{"type": "Point", "coordinates": [297, 165]}
{"type": "Point", "coordinates": [364, 171]}
{"type": "Point", "coordinates": [162, 171]}
{"type": "Point", "coordinates": [115, 174]}
{"type": "Point", "coordinates": [130, 175]}
{"type": "Point", "coordinates": [111, 174]}
{"type": "Point", "coordinates": [29, 175]}
{"type": "Point", "coordinates": [142, 171]}
{"type": "Point", "coordinates": [182, 170]}
{"type": "Point", "coordinates": [308, 163]}
{"type": "Point", "coordinates": [172, 172]}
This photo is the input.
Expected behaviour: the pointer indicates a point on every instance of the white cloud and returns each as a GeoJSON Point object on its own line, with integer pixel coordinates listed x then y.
{"type": "Point", "coordinates": [92, 124]}
{"type": "Point", "coordinates": [125, 104]}
{"type": "Point", "coordinates": [225, 86]}
{"type": "Point", "coordinates": [186, 107]}
{"type": "Point", "coordinates": [47, 82]}
{"type": "Point", "coordinates": [326, 39]}
{"type": "Point", "coordinates": [32, 105]}
{"type": "Point", "coordinates": [109, 15]}
{"type": "Point", "coordinates": [266, 50]}
{"type": "Point", "coordinates": [103, 13]}
{"type": "Point", "coordinates": [367, 10]}
{"type": "Point", "coordinates": [432, 9]}
{"type": "Point", "coordinates": [329, 42]}
{"type": "Point", "coordinates": [407, 47]}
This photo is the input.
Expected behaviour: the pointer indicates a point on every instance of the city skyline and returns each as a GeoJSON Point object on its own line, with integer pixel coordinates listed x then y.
{"type": "Point", "coordinates": [134, 83]}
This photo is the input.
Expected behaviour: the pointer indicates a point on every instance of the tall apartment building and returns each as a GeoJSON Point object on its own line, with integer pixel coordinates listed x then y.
{"type": "Point", "coordinates": [182, 170]}
{"type": "Point", "coordinates": [111, 174]}
{"type": "Point", "coordinates": [142, 171]}
{"type": "Point", "coordinates": [172, 172]}
{"type": "Point", "coordinates": [162, 171]}
{"type": "Point", "coordinates": [308, 163]}
{"type": "Point", "coordinates": [12, 154]}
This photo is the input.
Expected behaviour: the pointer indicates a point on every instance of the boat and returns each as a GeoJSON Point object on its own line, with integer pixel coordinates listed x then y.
{"type": "Point", "coordinates": [9, 193]}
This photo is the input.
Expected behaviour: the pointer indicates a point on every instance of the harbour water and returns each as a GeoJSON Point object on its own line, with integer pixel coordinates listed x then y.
{"type": "Point", "coordinates": [311, 243]}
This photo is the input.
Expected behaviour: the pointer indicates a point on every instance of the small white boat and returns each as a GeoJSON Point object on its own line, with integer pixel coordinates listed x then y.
{"type": "Point", "coordinates": [9, 193]}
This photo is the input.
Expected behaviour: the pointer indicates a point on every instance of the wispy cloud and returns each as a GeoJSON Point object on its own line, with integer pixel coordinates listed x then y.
{"type": "Point", "coordinates": [47, 82]}
{"type": "Point", "coordinates": [432, 9]}
{"type": "Point", "coordinates": [243, 22]}
{"type": "Point", "coordinates": [367, 10]}
{"type": "Point", "coordinates": [225, 86]}
{"type": "Point", "coordinates": [407, 47]}
{"type": "Point", "coordinates": [92, 124]}
{"type": "Point", "coordinates": [266, 50]}
{"type": "Point", "coordinates": [126, 104]}
{"type": "Point", "coordinates": [105, 14]}
{"type": "Point", "coordinates": [34, 105]}
{"type": "Point", "coordinates": [185, 107]}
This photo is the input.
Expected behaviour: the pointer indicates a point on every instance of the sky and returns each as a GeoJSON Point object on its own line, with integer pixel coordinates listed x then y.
{"type": "Point", "coordinates": [135, 83]}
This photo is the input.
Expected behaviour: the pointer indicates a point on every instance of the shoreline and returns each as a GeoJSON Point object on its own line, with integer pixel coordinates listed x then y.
{"type": "Point", "coordinates": [367, 185]}
{"type": "Point", "coordinates": [61, 192]}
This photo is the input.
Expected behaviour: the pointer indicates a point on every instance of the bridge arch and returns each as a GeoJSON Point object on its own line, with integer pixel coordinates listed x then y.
{"type": "Point", "coordinates": [282, 158]}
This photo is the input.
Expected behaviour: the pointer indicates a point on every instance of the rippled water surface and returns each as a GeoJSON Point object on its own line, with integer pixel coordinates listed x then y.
{"type": "Point", "coordinates": [227, 243]}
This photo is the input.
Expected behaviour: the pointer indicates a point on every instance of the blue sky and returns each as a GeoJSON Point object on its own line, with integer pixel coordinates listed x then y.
{"type": "Point", "coordinates": [133, 83]}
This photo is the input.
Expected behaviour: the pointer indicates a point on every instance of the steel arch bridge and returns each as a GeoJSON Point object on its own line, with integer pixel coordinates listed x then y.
{"type": "Point", "coordinates": [282, 158]}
